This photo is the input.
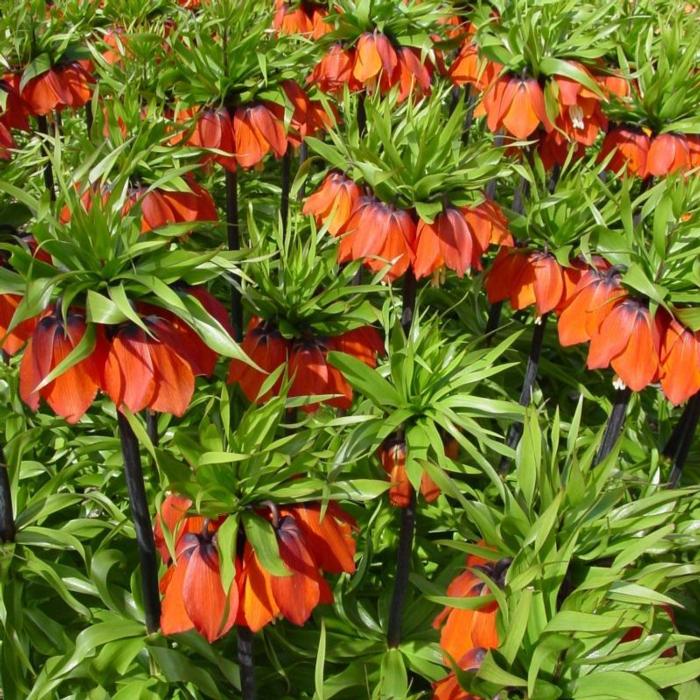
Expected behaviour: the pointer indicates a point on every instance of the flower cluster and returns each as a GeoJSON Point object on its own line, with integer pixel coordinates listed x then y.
{"type": "Point", "coordinates": [305, 359]}
{"type": "Point", "coordinates": [372, 64]}
{"type": "Point", "coordinates": [62, 86]}
{"type": "Point", "coordinates": [382, 235]}
{"type": "Point", "coordinates": [311, 540]}
{"type": "Point", "coordinates": [151, 363]}
{"type": "Point", "coordinates": [244, 136]}
{"type": "Point", "coordinates": [593, 306]}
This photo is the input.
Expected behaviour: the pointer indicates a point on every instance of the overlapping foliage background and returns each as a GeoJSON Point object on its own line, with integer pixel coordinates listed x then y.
{"type": "Point", "coordinates": [427, 267]}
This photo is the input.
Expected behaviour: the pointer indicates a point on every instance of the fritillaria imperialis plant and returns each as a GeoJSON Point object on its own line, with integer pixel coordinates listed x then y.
{"type": "Point", "coordinates": [350, 349]}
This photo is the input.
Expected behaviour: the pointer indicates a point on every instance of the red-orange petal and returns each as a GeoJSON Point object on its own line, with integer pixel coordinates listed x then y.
{"type": "Point", "coordinates": [212, 612]}
{"type": "Point", "coordinates": [173, 615]}
{"type": "Point", "coordinates": [296, 595]}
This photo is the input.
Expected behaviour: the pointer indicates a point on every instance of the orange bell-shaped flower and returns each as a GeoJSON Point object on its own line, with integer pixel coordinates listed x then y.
{"type": "Point", "coordinates": [679, 362]}
{"type": "Point", "coordinates": [71, 393]}
{"type": "Point", "coordinates": [628, 340]}
{"type": "Point", "coordinates": [516, 104]}
{"type": "Point", "coordinates": [334, 202]}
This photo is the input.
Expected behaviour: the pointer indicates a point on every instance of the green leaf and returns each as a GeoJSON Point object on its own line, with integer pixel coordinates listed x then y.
{"type": "Point", "coordinates": [518, 624]}
{"type": "Point", "coordinates": [177, 668]}
{"type": "Point", "coordinates": [123, 304]}
{"type": "Point", "coordinates": [550, 65]}
{"type": "Point", "coordinates": [492, 672]}
{"type": "Point", "coordinates": [328, 153]}
{"type": "Point", "coordinates": [34, 301]}
{"type": "Point", "coordinates": [263, 540]}
{"type": "Point", "coordinates": [635, 278]}
{"type": "Point", "coordinates": [100, 309]}
{"type": "Point", "coordinates": [614, 684]}
{"type": "Point", "coordinates": [320, 663]}
{"type": "Point", "coordinates": [393, 679]}
{"type": "Point", "coordinates": [41, 64]}
{"type": "Point", "coordinates": [528, 456]}
{"type": "Point", "coordinates": [573, 621]}
{"type": "Point", "coordinates": [366, 380]}
{"type": "Point", "coordinates": [672, 674]}
{"type": "Point", "coordinates": [226, 543]}
{"type": "Point", "coordinates": [211, 331]}
{"type": "Point", "coordinates": [427, 211]}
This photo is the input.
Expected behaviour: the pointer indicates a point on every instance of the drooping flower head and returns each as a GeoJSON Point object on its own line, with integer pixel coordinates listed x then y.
{"type": "Point", "coordinates": [629, 341]}
{"type": "Point", "coordinates": [72, 392]}
{"type": "Point", "coordinates": [464, 630]}
{"type": "Point", "coordinates": [334, 202]}
{"type": "Point", "coordinates": [392, 455]}
{"type": "Point", "coordinates": [311, 540]}
{"type": "Point", "coordinates": [306, 362]}
{"type": "Point", "coordinates": [526, 278]}
{"type": "Point", "coordinates": [679, 361]}
{"type": "Point", "coordinates": [379, 234]}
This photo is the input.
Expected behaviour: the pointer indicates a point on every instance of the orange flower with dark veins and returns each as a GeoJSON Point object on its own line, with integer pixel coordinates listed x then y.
{"type": "Point", "coordinates": [679, 361]}
{"type": "Point", "coordinates": [597, 292]}
{"type": "Point", "coordinates": [13, 341]}
{"type": "Point", "coordinates": [379, 234]}
{"type": "Point", "coordinates": [447, 242]}
{"type": "Point", "coordinates": [213, 129]}
{"type": "Point", "coordinates": [489, 226]}
{"type": "Point", "coordinates": [364, 343]}
{"type": "Point", "coordinates": [516, 104]}
{"type": "Point", "coordinates": [328, 535]}
{"type": "Point", "coordinates": [668, 153]}
{"type": "Point", "coordinates": [45, 93]}
{"type": "Point", "coordinates": [630, 149]}
{"type": "Point", "coordinates": [66, 85]}
{"type": "Point", "coordinates": [173, 517]}
{"type": "Point", "coordinates": [257, 130]}
{"type": "Point", "coordinates": [581, 116]}
{"type": "Point", "coordinates": [464, 630]}
{"type": "Point", "coordinates": [306, 18]}
{"type": "Point", "coordinates": [311, 539]}
{"type": "Point", "coordinates": [264, 345]}
{"type": "Point", "coordinates": [470, 68]}
{"type": "Point", "coordinates": [264, 596]}
{"type": "Point", "coordinates": [161, 207]}
{"type": "Point", "coordinates": [334, 202]}
{"type": "Point", "coordinates": [307, 365]}
{"type": "Point", "coordinates": [194, 597]}
{"type": "Point", "coordinates": [7, 143]}
{"type": "Point", "coordinates": [15, 113]}
{"type": "Point", "coordinates": [376, 61]}
{"type": "Point", "coordinates": [629, 341]}
{"type": "Point", "coordinates": [308, 116]}
{"type": "Point", "coordinates": [147, 370]}
{"type": "Point", "coordinates": [173, 331]}
{"type": "Point", "coordinates": [613, 84]}
{"type": "Point", "coordinates": [414, 75]}
{"type": "Point", "coordinates": [291, 20]}
{"type": "Point", "coordinates": [71, 393]}
{"type": "Point", "coordinates": [77, 80]}
{"type": "Point", "coordinates": [526, 278]}
{"type": "Point", "coordinates": [312, 375]}
{"type": "Point", "coordinates": [335, 70]}
{"type": "Point", "coordinates": [694, 150]}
